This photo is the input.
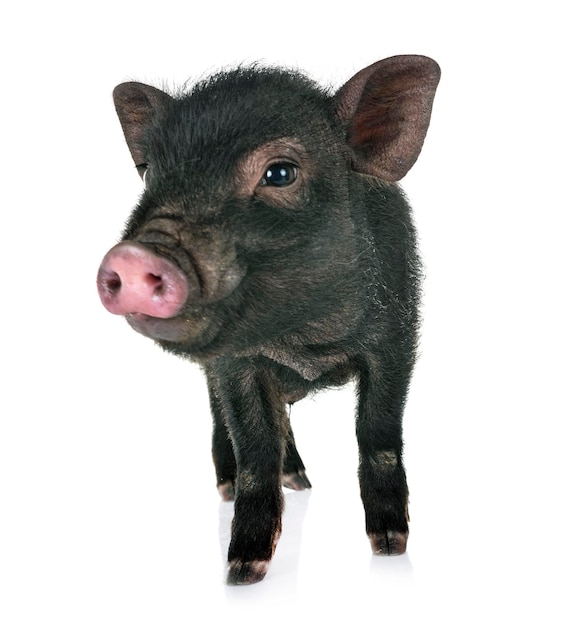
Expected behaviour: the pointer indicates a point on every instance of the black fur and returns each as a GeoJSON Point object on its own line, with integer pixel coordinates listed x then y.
{"type": "Point", "coordinates": [301, 287]}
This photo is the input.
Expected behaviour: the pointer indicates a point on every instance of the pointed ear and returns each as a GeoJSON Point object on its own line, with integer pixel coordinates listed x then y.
{"type": "Point", "coordinates": [387, 109]}
{"type": "Point", "coordinates": [137, 105]}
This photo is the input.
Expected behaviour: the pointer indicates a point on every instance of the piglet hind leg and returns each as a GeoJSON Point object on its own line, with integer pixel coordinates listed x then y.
{"type": "Point", "coordinates": [294, 472]}
{"type": "Point", "coordinates": [222, 448]}
{"type": "Point", "coordinates": [382, 478]}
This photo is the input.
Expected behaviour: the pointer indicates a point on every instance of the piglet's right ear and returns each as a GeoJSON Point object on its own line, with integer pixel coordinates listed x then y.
{"type": "Point", "coordinates": [137, 105]}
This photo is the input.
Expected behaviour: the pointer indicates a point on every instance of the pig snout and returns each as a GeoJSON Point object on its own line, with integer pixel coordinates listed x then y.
{"type": "Point", "coordinates": [133, 279]}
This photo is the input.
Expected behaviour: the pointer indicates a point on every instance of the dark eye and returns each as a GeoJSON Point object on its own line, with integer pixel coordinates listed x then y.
{"type": "Point", "coordinates": [280, 175]}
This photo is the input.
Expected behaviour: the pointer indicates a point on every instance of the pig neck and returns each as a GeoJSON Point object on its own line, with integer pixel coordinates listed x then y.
{"type": "Point", "coordinates": [317, 348]}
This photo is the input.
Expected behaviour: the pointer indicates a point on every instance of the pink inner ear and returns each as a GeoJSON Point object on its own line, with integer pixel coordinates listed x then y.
{"type": "Point", "coordinates": [387, 134]}
{"type": "Point", "coordinates": [377, 122]}
{"type": "Point", "coordinates": [388, 105]}
{"type": "Point", "coordinates": [136, 105]}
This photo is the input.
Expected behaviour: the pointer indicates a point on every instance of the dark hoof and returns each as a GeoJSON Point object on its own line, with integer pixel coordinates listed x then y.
{"type": "Point", "coordinates": [227, 491]}
{"type": "Point", "coordinates": [246, 573]}
{"type": "Point", "coordinates": [298, 481]}
{"type": "Point", "coordinates": [389, 543]}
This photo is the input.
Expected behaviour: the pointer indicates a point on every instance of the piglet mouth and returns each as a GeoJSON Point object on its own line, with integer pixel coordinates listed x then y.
{"type": "Point", "coordinates": [174, 329]}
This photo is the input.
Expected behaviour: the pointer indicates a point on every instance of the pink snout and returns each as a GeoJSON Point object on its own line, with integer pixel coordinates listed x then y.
{"type": "Point", "coordinates": [133, 279]}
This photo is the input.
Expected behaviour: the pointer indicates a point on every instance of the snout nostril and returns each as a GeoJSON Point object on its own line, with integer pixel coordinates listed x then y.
{"type": "Point", "coordinates": [113, 283]}
{"type": "Point", "coordinates": [156, 284]}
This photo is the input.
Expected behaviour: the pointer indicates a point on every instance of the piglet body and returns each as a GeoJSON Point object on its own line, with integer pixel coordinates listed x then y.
{"type": "Point", "coordinates": [273, 246]}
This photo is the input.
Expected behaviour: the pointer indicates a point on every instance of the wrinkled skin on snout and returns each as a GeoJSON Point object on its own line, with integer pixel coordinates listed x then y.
{"type": "Point", "coordinates": [273, 246]}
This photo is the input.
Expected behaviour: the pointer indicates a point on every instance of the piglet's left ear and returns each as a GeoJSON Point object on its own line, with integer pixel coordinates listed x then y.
{"type": "Point", "coordinates": [387, 108]}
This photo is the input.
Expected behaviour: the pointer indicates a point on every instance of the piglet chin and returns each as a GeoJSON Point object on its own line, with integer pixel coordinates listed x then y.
{"type": "Point", "coordinates": [175, 329]}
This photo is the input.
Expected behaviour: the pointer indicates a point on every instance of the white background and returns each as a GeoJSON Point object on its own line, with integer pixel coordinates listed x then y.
{"type": "Point", "coordinates": [108, 508]}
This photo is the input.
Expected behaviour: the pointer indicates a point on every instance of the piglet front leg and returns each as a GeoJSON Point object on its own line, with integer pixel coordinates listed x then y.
{"type": "Point", "coordinates": [382, 390]}
{"type": "Point", "coordinates": [255, 417]}
{"type": "Point", "coordinates": [256, 528]}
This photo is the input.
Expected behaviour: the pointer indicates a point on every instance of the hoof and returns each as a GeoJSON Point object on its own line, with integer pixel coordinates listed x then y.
{"type": "Point", "coordinates": [227, 491]}
{"type": "Point", "coordinates": [298, 481]}
{"type": "Point", "coordinates": [246, 573]}
{"type": "Point", "coordinates": [389, 543]}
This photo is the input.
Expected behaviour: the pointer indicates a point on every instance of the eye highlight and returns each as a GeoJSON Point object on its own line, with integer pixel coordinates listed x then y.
{"type": "Point", "coordinates": [279, 175]}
